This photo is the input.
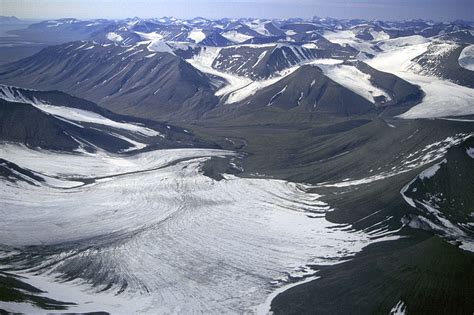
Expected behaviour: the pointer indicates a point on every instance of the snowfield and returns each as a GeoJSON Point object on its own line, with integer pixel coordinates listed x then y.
{"type": "Point", "coordinates": [466, 58]}
{"type": "Point", "coordinates": [236, 37]}
{"type": "Point", "coordinates": [153, 226]}
{"type": "Point", "coordinates": [402, 42]}
{"type": "Point", "coordinates": [112, 36]}
{"type": "Point", "coordinates": [443, 98]}
{"type": "Point", "coordinates": [348, 37]}
{"type": "Point", "coordinates": [239, 88]}
{"type": "Point", "coordinates": [355, 80]}
{"type": "Point", "coordinates": [197, 35]}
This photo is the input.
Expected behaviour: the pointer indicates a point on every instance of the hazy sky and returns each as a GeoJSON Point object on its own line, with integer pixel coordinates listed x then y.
{"type": "Point", "coordinates": [368, 9]}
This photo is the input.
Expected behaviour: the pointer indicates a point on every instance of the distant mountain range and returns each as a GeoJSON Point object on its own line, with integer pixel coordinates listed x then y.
{"type": "Point", "coordinates": [183, 69]}
{"type": "Point", "coordinates": [9, 20]}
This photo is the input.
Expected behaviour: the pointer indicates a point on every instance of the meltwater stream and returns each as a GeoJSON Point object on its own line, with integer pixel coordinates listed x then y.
{"type": "Point", "coordinates": [150, 233]}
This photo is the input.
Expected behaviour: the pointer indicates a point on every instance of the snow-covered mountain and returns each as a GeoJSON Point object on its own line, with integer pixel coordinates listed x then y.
{"type": "Point", "coordinates": [229, 60]}
{"type": "Point", "coordinates": [168, 165]}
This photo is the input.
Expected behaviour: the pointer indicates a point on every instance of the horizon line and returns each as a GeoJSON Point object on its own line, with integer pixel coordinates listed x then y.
{"type": "Point", "coordinates": [234, 18]}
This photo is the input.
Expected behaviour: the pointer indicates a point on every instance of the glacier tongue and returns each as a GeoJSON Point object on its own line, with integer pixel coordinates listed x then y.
{"type": "Point", "coordinates": [154, 228]}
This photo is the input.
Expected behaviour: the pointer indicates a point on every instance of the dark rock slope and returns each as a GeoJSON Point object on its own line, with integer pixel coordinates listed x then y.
{"type": "Point", "coordinates": [156, 85]}
{"type": "Point", "coordinates": [23, 122]}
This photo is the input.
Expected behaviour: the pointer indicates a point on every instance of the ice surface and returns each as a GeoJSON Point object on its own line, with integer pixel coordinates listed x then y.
{"type": "Point", "coordinates": [150, 36]}
{"type": "Point", "coordinates": [159, 46]}
{"type": "Point", "coordinates": [203, 62]}
{"type": "Point", "coordinates": [347, 37]}
{"type": "Point", "coordinates": [259, 27]}
{"type": "Point", "coordinates": [442, 99]}
{"type": "Point", "coordinates": [180, 241]}
{"type": "Point", "coordinates": [403, 42]}
{"type": "Point", "coordinates": [466, 58]}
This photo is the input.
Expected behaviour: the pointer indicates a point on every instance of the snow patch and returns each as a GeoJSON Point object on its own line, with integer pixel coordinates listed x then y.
{"type": "Point", "coordinates": [443, 98]}
{"type": "Point", "coordinates": [403, 42]}
{"type": "Point", "coordinates": [355, 80]}
{"type": "Point", "coordinates": [197, 35]}
{"type": "Point", "coordinates": [466, 58]}
{"type": "Point", "coordinates": [159, 46]}
{"type": "Point", "coordinates": [236, 37]}
{"type": "Point", "coordinates": [431, 171]}
{"type": "Point", "coordinates": [379, 35]}
{"type": "Point", "coordinates": [114, 37]}
{"type": "Point", "coordinates": [260, 58]}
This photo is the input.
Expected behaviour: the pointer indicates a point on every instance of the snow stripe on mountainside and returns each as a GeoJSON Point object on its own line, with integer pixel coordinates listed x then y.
{"type": "Point", "coordinates": [75, 114]}
{"type": "Point", "coordinates": [239, 88]}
